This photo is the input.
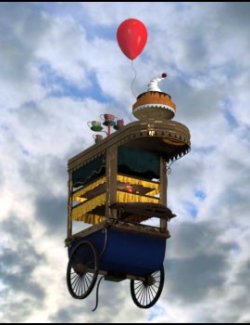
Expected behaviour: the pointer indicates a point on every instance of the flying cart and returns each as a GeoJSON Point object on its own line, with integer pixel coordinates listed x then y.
{"type": "Point", "coordinates": [118, 187]}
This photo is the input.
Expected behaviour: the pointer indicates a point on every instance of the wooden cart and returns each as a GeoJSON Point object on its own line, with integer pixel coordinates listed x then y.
{"type": "Point", "coordinates": [119, 188]}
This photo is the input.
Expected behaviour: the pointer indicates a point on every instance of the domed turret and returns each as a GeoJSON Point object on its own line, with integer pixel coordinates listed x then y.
{"type": "Point", "coordinates": [154, 104]}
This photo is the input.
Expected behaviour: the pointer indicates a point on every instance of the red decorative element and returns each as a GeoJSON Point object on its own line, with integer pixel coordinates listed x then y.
{"type": "Point", "coordinates": [132, 37]}
{"type": "Point", "coordinates": [129, 188]}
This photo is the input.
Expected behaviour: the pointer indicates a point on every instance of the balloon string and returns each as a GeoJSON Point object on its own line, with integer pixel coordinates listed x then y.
{"type": "Point", "coordinates": [133, 81]}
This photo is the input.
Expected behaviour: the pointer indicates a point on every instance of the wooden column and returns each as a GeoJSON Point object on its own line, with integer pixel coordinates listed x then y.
{"type": "Point", "coordinates": [70, 193]}
{"type": "Point", "coordinates": [163, 189]}
{"type": "Point", "coordinates": [111, 185]}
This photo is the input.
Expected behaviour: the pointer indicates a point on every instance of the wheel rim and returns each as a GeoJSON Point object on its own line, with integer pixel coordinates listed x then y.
{"type": "Point", "coordinates": [82, 270]}
{"type": "Point", "coordinates": [146, 293]}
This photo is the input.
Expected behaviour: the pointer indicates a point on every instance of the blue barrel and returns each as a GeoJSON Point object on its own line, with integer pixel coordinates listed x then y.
{"type": "Point", "coordinates": [127, 252]}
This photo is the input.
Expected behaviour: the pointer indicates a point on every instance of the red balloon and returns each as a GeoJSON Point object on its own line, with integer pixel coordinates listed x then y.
{"type": "Point", "coordinates": [132, 37]}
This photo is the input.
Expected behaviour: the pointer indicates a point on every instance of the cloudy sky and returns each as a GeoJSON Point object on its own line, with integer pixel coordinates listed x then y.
{"type": "Point", "coordinates": [61, 67]}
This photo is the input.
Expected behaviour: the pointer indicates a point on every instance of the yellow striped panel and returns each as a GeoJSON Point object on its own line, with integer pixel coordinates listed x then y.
{"type": "Point", "coordinates": [79, 212]}
{"type": "Point", "coordinates": [136, 181]}
{"type": "Point", "coordinates": [124, 197]}
{"type": "Point", "coordinates": [77, 195]}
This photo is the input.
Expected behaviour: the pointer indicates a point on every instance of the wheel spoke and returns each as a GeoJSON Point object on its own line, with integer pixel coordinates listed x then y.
{"type": "Point", "coordinates": [140, 293]}
{"type": "Point", "coordinates": [155, 291]}
{"type": "Point", "coordinates": [155, 286]}
{"type": "Point", "coordinates": [80, 286]}
{"type": "Point", "coordinates": [151, 293]}
{"type": "Point", "coordinates": [143, 296]}
{"type": "Point", "coordinates": [146, 296]}
{"type": "Point", "coordinates": [139, 286]}
{"type": "Point", "coordinates": [74, 281]}
{"type": "Point", "coordinates": [76, 286]}
{"type": "Point", "coordinates": [73, 275]}
{"type": "Point", "coordinates": [149, 299]}
{"type": "Point", "coordinates": [85, 281]}
{"type": "Point", "coordinates": [88, 276]}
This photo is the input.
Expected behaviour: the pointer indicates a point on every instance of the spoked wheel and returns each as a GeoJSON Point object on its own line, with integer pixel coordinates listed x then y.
{"type": "Point", "coordinates": [146, 293]}
{"type": "Point", "coordinates": [82, 270]}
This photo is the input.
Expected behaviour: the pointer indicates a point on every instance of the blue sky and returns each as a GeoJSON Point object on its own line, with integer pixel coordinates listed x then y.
{"type": "Point", "coordinates": [61, 67]}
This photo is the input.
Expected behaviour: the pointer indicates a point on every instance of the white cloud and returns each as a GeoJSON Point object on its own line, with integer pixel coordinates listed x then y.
{"type": "Point", "coordinates": [62, 67]}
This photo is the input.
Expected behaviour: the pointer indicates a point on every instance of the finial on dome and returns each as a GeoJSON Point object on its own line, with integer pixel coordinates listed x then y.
{"type": "Point", "coordinates": [153, 84]}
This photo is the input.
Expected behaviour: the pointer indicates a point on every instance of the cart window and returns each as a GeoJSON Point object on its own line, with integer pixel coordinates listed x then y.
{"type": "Point", "coordinates": [89, 172]}
{"type": "Point", "coordinates": [138, 162]}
